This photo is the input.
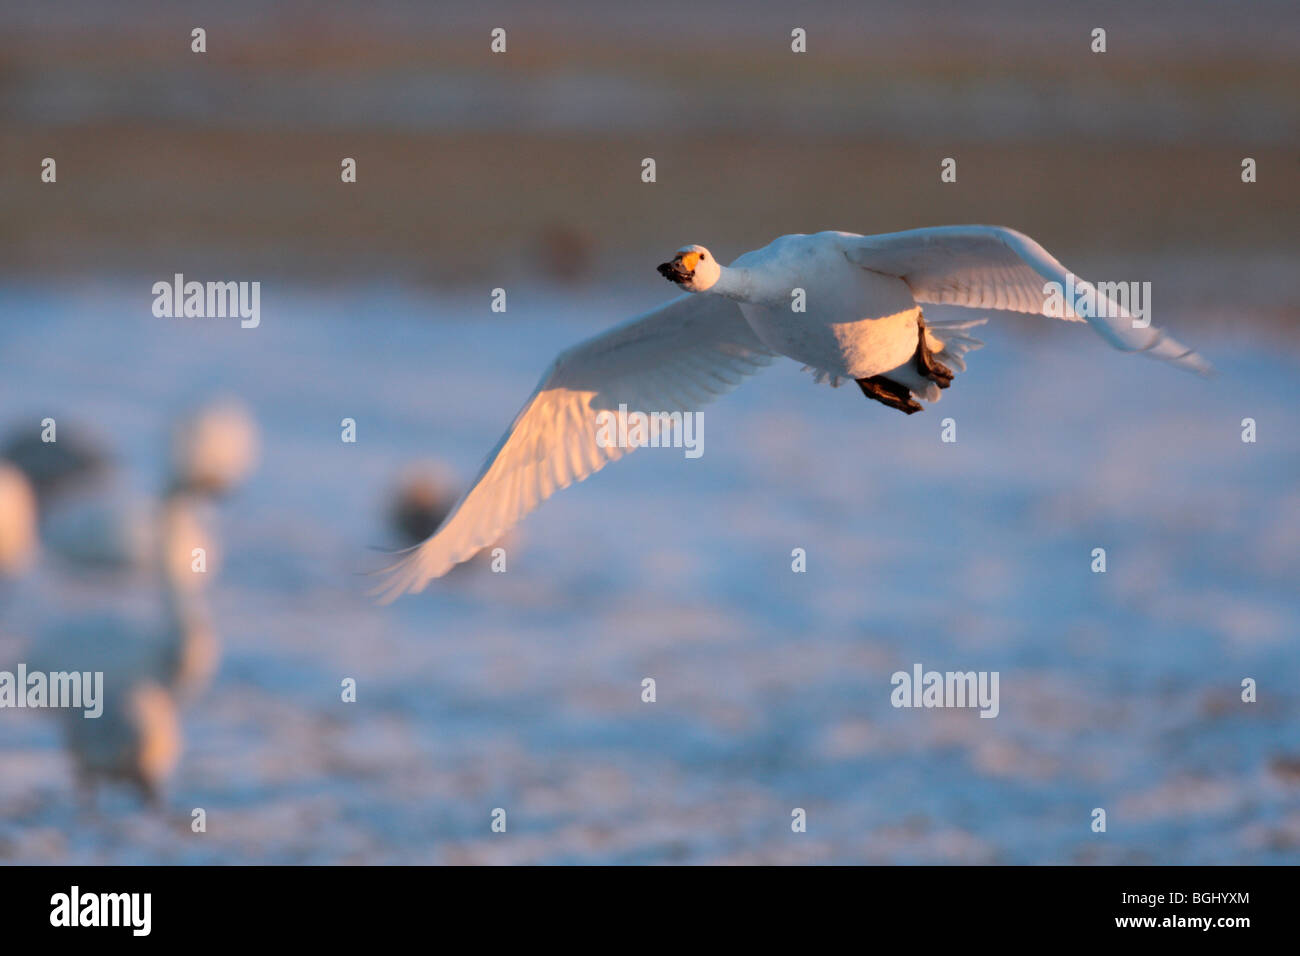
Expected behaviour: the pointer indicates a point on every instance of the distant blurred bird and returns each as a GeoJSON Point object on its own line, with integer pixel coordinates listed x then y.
{"type": "Point", "coordinates": [860, 320]}
{"type": "Point", "coordinates": [17, 520]}
{"type": "Point", "coordinates": [425, 492]}
{"type": "Point", "coordinates": [55, 467]}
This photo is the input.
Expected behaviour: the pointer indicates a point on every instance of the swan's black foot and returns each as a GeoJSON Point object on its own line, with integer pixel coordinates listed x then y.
{"type": "Point", "coordinates": [889, 393]}
{"type": "Point", "coordinates": [925, 361]}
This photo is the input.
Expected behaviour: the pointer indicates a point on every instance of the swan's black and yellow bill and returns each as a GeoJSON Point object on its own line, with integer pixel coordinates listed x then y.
{"type": "Point", "coordinates": [681, 268]}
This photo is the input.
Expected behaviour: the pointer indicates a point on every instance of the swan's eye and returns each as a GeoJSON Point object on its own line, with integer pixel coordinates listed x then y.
{"type": "Point", "coordinates": [704, 255]}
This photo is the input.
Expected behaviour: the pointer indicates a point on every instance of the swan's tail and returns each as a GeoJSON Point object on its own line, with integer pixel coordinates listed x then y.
{"type": "Point", "coordinates": [948, 342]}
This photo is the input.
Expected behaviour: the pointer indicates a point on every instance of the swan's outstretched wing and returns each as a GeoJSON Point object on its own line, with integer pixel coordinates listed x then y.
{"type": "Point", "coordinates": [674, 359]}
{"type": "Point", "coordinates": [991, 267]}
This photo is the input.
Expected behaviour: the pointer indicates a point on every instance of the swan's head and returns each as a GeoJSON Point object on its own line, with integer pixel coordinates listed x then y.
{"type": "Point", "coordinates": [693, 268]}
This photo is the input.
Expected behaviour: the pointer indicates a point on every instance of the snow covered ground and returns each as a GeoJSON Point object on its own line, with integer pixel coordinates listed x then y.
{"type": "Point", "coordinates": [523, 690]}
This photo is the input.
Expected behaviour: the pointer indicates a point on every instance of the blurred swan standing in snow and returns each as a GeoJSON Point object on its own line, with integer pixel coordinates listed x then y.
{"type": "Point", "coordinates": [149, 668]}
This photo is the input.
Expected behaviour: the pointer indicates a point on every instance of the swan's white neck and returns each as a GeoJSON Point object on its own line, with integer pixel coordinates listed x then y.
{"type": "Point", "coordinates": [735, 282]}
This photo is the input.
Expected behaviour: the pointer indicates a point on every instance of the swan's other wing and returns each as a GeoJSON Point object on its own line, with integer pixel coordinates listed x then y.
{"type": "Point", "coordinates": [673, 359]}
{"type": "Point", "coordinates": [992, 267]}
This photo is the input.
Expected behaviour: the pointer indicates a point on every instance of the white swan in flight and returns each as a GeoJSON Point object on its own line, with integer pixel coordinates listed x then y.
{"type": "Point", "coordinates": [862, 320]}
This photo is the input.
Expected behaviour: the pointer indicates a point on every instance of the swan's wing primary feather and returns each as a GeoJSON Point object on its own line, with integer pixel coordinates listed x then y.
{"type": "Point", "coordinates": [675, 358]}
{"type": "Point", "coordinates": [992, 267]}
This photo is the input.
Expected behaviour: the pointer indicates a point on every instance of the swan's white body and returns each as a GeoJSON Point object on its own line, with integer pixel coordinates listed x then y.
{"type": "Point", "coordinates": [856, 323]}
{"type": "Point", "coordinates": [862, 299]}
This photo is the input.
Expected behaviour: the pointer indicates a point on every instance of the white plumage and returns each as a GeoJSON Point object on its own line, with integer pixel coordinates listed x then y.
{"type": "Point", "coordinates": [861, 319]}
